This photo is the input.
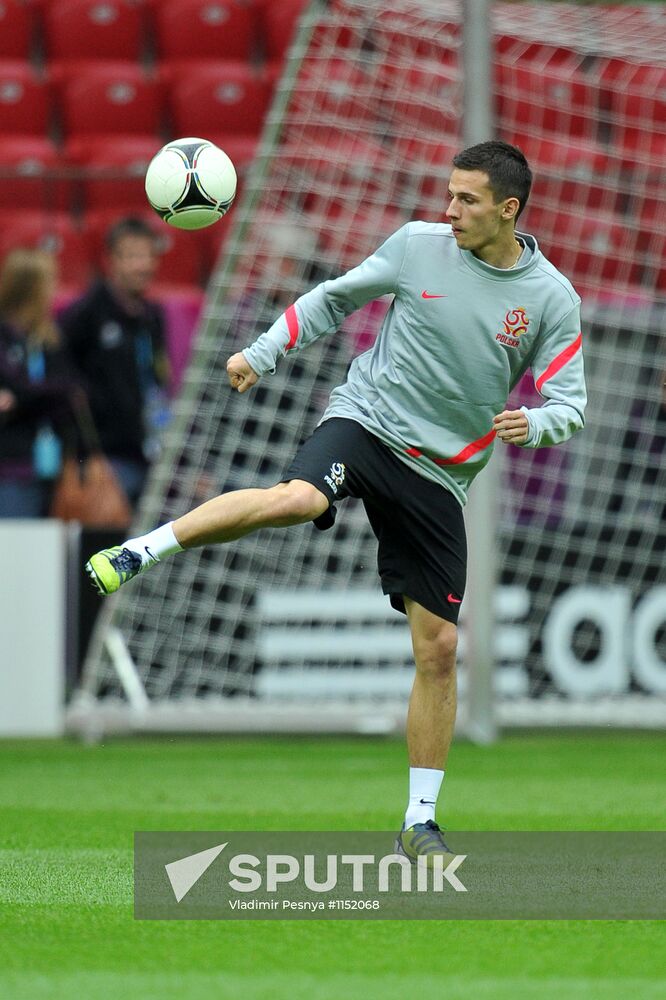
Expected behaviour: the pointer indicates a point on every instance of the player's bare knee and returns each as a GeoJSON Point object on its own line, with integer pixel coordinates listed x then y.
{"type": "Point", "coordinates": [296, 502]}
{"type": "Point", "coordinates": [435, 652]}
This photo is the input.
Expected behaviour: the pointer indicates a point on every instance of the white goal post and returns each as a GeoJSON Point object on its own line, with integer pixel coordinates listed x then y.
{"type": "Point", "coordinates": [287, 630]}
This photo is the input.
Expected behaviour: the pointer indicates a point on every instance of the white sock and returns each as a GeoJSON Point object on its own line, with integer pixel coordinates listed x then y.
{"type": "Point", "coordinates": [424, 786]}
{"type": "Point", "coordinates": [156, 545]}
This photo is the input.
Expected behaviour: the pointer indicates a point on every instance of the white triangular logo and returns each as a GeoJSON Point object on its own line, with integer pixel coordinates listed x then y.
{"type": "Point", "coordinates": [185, 873]}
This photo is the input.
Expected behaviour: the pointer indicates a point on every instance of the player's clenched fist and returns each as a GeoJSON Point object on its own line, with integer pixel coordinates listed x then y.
{"type": "Point", "coordinates": [241, 375]}
{"type": "Point", "coordinates": [511, 426]}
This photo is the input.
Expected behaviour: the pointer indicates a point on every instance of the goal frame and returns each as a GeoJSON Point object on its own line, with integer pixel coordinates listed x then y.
{"type": "Point", "coordinates": [481, 715]}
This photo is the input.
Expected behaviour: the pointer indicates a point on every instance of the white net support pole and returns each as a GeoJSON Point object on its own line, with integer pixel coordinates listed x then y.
{"type": "Point", "coordinates": [481, 519]}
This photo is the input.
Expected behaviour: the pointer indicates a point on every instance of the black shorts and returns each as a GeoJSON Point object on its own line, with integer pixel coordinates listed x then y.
{"type": "Point", "coordinates": [419, 524]}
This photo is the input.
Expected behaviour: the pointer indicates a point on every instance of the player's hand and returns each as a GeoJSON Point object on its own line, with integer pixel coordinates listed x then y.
{"type": "Point", "coordinates": [241, 375]}
{"type": "Point", "coordinates": [511, 426]}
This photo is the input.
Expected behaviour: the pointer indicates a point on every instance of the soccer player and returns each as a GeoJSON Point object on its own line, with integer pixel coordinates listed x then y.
{"type": "Point", "coordinates": [475, 304]}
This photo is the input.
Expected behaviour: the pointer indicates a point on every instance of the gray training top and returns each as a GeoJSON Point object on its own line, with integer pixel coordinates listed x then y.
{"type": "Point", "coordinates": [457, 337]}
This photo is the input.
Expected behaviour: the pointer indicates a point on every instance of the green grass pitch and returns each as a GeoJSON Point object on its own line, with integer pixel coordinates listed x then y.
{"type": "Point", "coordinates": [68, 813]}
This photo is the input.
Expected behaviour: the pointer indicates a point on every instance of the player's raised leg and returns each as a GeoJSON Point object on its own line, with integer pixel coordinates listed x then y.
{"type": "Point", "coordinates": [430, 724]}
{"type": "Point", "coordinates": [222, 519]}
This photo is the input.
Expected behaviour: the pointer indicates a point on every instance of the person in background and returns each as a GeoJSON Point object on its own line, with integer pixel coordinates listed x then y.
{"type": "Point", "coordinates": [39, 394]}
{"type": "Point", "coordinates": [115, 337]}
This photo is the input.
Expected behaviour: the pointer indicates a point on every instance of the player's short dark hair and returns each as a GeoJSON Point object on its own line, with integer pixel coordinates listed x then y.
{"type": "Point", "coordinates": [509, 174]}
{"type": "Point", "coordinates": [129, 225]}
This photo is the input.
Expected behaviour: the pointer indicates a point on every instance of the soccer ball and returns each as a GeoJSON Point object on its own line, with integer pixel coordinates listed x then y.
{"type": "Point", "coordinates": [191, 183]}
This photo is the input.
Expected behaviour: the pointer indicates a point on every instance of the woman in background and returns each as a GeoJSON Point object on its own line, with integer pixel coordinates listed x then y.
{"type": "Point", "coordinates": [38, 395]}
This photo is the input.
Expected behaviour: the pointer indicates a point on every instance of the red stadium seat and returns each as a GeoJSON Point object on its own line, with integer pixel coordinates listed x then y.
{"type": "Point", "coordinates": [326, 36]}
{"type": "Point", "coordinates": [16, 29]}
{"type": "Point", "coordinates": [104, 98]}
{"type": "Point", "coordinates": [557, 98]}
{"type": "Point", "coordinates": [634, 94]}
{"type": "Point", "coordinates": [31, 174]}
{"type": "Point", "coordinates": [213, 98]}
{"type": "Point", "coordinates": [338, 170]}
{"type": "Point", "coordinates": [595, 249]}
{"type": "Point", "coordinates": [643, 152]}
{"type": "Point", "coordinates": [100, 29]}
{"type": "Point", "coordinates": [181, 260]}
{"type": "Point", "coordinates": [404, 46]}
{"type": "Point", "coordinates": [278, 24]}
{"type": "Point", "coordinates": [25, 99]}
{"type": "Point", "coordinates": [333, 162]}
{"type": "Point", "coordinates": [181, 252]}
{"type": "Point", "coordinates": [114, 169]}
{"type": "Point", "coordinates": [570, 173]}
{"type": "Point", "coordinates": [423, 100]}
{"type": "Point", "coordinates": [52, 231]}
{"type": "Point", "coordinates": [514, 50]}
{"type": "Point", "coordinates": [332, 94]}
{"type": "Point", "coordinates": [352, 234]}
{"type": "Point", "coordinates": [423, 168]}
{"type": "Point", "coordinates": [634, 107]}
{"type": "Point", "coordinates": [205, 29]}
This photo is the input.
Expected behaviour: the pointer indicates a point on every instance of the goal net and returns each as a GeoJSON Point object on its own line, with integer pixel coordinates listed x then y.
{"type": "Point", "coordinates": [287, 629]}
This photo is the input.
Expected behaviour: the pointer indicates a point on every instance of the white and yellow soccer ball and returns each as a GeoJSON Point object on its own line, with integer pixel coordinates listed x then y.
{"type": "Point", "coordinates": [191, 183]}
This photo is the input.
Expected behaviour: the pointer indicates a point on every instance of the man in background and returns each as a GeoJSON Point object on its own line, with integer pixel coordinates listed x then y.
{"type": "Point", "coordinates": [115, 337]}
